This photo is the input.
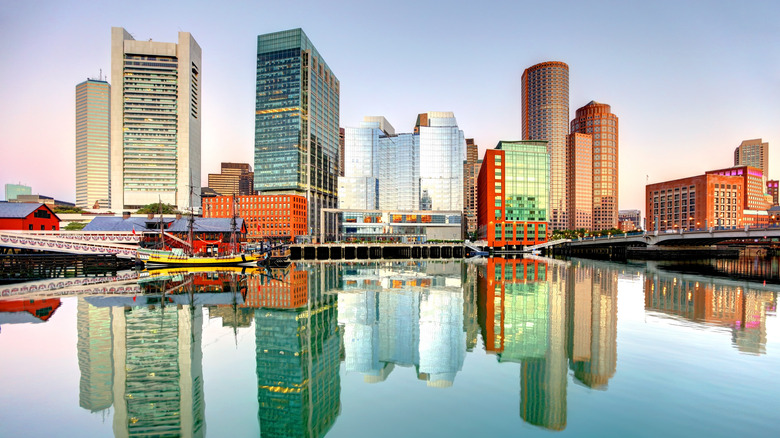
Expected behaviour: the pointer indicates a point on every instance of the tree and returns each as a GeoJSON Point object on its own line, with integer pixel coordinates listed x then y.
{"type": "Point", "coordinates": [155, 207]}
{"type": "Point", "coordinates": [75, 226]}
{"type": "Point", "coordinates": [57, 209]}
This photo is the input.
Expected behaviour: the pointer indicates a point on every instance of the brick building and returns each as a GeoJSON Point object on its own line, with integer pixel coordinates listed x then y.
{"type": "Point", "coordinates": [274, 217]}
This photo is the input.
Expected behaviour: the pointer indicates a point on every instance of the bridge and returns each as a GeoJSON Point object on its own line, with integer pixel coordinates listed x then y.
{"type": "Point", "coordinates": [705, 237]}
{"type": "Point", "coordinates": [123, 283]}
{"type": "Point", "coordinates": [122, 244]}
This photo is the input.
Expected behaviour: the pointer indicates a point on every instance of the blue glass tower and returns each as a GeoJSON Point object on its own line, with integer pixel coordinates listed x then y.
{"type": "Point", "coordinates": [296, 122]}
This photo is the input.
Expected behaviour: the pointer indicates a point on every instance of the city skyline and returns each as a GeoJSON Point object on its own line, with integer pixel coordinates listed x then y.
{"type": "Point", "coordinates": [686, 79]}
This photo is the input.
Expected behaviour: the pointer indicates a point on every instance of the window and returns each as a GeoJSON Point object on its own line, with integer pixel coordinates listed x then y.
{"type": "Point", "coordinates": [30, 226]}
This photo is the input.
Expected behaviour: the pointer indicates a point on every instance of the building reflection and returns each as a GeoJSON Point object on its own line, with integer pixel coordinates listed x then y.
{"type": "Point", "coordinates": [297, 350]}
{"type": "Point", "coordinates": [407, 314]}
{"type": "Point", "coordinates": [704, 300]}
{"type": "Point", "coordinates": [550, 316]}
{"type": "Point", "coordinates": [143, 356]}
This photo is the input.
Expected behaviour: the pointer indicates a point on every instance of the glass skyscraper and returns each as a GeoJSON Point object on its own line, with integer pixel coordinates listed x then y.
{"type": "Point", "coordinates": [296, 122]}
{"type": "Point", "coordinates": [442, 149]}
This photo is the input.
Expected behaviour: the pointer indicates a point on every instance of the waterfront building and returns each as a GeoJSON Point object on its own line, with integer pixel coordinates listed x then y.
{"type": "Point", "coordinates": [401, 226]}
{"type": "Point", "coordinates": [442, 148]}
{"type": "Point", "coordinates": [580, 180]}
{"type": "Point", "coordinates": [233, 179]}
{"type": "Point", "coordinates": [545, 111]}
{"type": "Point", "coordinates": [274, 217]}
{"type": "Point", "coordinates": [27, 216]}
{"type": "Point", "coordinates": [698, 202]}
{"type": "Point", "coordinates": [772, 190]}
{"type": "Point", "coordinates": [470, 173]}
{"type": "Point", "coordinates": [513, 193]}
{"type": "Point", "coordinates": [597, 119]}
{"type": "Point", "coordinates": [753, 194]}
{"type": "Point", "coordinates": [14, 190]}
{"type": "Point", "coordinates": [155, 122]}
{"type": "Point", "coordinates": [93, 144]}
{"type": "Point", "coordinates": [296, 123]}
{"type": "Point", "coordinates": [753, 153]}
{"type": "Point", "coordinates": [341, 151]}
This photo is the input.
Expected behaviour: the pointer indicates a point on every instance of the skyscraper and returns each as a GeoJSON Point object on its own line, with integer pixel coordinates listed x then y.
{"type": "Point", "coordinates": [14, 190]}
{"type": "Point", "coordinates": [580, 180]}
{"type": "Point", "coordinates": [545, 107]}
{"type": "Point", "coordinates": [155, 121]}
{"type": "Point", "coordinates": [233, 179]}
{"type": "Point", "coordinates": [470, 173]}
{"type": "Point", "coordinates": [296, 122]}
{"type": "Point", "coordinates": [597, 119]}
{"type": "Point", "coordinates": [93, 146]}
{"type": "Point", "coordinates": [753, 153]}
{"type": "Point", "coordinates": [442, 149]}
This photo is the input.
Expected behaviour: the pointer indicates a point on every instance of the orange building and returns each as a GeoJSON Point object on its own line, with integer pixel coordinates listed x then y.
{"type": "Point", "coordinates": [597, 119]}
{"type": "Point", "coordinates": [753, 181]}
{"type": "Point", "coordinates": [274, 217]}
{"type": "Point", "coordinates": [290, 292]}
{"type": "Point", "coordinates": [703, 201]}
{"type": "Point", "coordinates": [580, 178]}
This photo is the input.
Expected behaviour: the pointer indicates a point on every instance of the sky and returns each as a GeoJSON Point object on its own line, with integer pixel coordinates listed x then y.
{"type": "Point", "coordinates": [688, 80]}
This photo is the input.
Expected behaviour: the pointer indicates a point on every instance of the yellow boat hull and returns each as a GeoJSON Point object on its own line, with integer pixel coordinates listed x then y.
{"type": "Point", "coordinates": [167, 258]}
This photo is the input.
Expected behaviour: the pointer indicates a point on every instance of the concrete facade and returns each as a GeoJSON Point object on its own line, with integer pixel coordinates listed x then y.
{"type": "Point", "coordinates": [93, 145]}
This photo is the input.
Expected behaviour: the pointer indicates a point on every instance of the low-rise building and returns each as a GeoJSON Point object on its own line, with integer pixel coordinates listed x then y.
{"type": "Point", "coordinates": [27, 216]}
{"type": "Point", "coordinates": [396, 226]}
{"type": "Point", "coordinates": [267, 217]}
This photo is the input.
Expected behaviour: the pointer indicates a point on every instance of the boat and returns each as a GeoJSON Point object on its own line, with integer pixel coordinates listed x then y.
{"type": "Point", "coordinates": [276, 258]}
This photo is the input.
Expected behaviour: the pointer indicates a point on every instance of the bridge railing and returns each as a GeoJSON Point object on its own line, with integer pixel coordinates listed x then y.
{"type": "Point", "coordinates": [59, 244]}
{"type": "Point", "coordinates": [126, 237]}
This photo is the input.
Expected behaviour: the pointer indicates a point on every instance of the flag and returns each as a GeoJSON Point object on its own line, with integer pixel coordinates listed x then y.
{"type": "Point", "coordinates": [134, 230]}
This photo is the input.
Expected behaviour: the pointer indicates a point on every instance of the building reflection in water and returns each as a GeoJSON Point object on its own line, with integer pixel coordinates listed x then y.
{"type": "Point", "coordinates": [407, 314]}
{"type": "Point", "coordinates": [550, 316]}
{"type": "Point", "coordinates": [143, 356]}
{"type": "Point", "coordinates": [733, 304]}
{"type": "Point", "coordinates": [298, 346]}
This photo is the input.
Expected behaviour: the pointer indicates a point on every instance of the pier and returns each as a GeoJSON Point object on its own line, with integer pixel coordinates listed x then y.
{"type": "Point", "coordinates": [377, 251]}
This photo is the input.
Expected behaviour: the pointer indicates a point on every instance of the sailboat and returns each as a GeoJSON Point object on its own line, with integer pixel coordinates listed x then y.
{"type": "Point", "coordinates": [185, 256]}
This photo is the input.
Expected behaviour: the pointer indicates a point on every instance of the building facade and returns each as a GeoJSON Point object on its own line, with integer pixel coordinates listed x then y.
{"type": "Point", "coordinates": [580, 180]}
{"type": "Point", "coordinates": [597, 120]}
{"type": "Point", "coordinates": [296, 123]}
{"type": "Point", "coordinates": [272, 217]}
{"type": "Point", "coordinates": [753, 153]}
{"type": "Point", "coordinates": [630, 220]}
{"type": "Point", "coordinates": [698, 202]}
{"type": "Point", "coordinates": [12, 191]}
{"type": "Point", "coordinates": [545, 110]}
{"type": "Point", "coordinates": [772, 190]}
{"type": "Point", "coordinates": [396, 225]}
{"type": "Point", "coordinates": [30, 217]}
{"type": "Point", "coordinates": [513, 194]}
{"type": "Point", "coordinates": [442, 149]}
{"type": "Point", "coordinates": [93, 144]}
{"type": "Point", "coordinates": [752, 185]}
{"type": "Point", "coordinates": [233, 179]}
{"type": "Point", "coordinates": [470, 174]}
{"type": "Point", "coordinates": [155, 121]}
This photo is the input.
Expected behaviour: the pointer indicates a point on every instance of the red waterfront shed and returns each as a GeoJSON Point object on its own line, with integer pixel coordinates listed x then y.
{"type": "Point", "coordinates": [27, 216]}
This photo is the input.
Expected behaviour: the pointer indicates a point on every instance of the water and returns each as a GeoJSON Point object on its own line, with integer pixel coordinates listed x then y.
{"type": "Point", "coordinates": [513, 347]}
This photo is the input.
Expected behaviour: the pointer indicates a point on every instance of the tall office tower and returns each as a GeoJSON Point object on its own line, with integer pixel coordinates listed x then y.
{"type": "Point", "coordinates": [234, 179]}
{"type": "Point", "coordinates": [442, 148]}
{"type": "Point", "coordinates": [296, 123]}
{"type": "Point", "coordinates": [545, 107]}
{"type": "Point", "coordinates": [597, 119]}
{"type": "Point", "coordinates": [383, 168]}
{"type": "Point", "coordinates": [753, 153]}
{"type": "Point", "coordinates": [580, 180]}
{"type": "Point", "coordinates": [470, 174]}
{"type": "Point", "coordinates": [14, 190]}
{"type": "Point", "coordinates": [155, 121]}
{"type": "Point", "coordinates": [341, 151]}
{"type": "Point", "coordinates": [93, 145]}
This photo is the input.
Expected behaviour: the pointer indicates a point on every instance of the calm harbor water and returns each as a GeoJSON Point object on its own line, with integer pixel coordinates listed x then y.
{"type": "Point", "coordinates": [518, 347]}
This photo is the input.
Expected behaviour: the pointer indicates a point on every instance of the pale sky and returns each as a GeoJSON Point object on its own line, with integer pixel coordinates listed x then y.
{"type": "Point", "coordinates": [689, 80]}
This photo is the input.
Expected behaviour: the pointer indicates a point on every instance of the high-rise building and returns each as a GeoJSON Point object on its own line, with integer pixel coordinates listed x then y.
{"type": "Point", "coordinates": [94, 346]}
{"type": "Point", "coordinates": [772, 190]}
{"type": "Point", "coordinates": [155, 121]}
{"type": "Point", "coordinates": [296, 123]}
{"type": "Point", "coordinates": [597, 120]}
{"type": "Point", "coordinates": [341, 151]}
{"type": "Point", "coordinates": [442, 148]}
{"type": "Point", "coordinates": [545, 109]}
{"type": "Point", "coordinates": [12, 191]}
{"type": "Point", "coordinates": [234, 179]}
{"type": "Point", "coordinates": [93, 146]}
{"type": "Point", "coordinates": [580, 180]}
{"type": "Point", "coordinates": [470, 173]}
{"type": "Point", "coordinates": [753, 153]}
{"type": "Point", "coordinates": [513, 190]}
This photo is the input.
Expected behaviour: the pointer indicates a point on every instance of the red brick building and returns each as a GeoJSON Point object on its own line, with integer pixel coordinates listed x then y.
{"type": "Point", "coordinates": [274, 217]}
{"type": "Point", "coordinates": [23, 216]}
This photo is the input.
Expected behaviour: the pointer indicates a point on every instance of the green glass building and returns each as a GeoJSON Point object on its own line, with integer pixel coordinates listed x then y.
{"type": "Point", "coordinates": [296, 123]}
